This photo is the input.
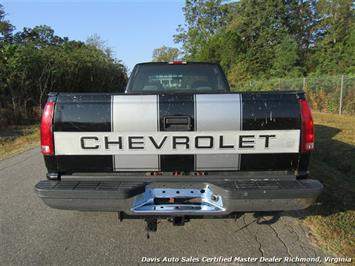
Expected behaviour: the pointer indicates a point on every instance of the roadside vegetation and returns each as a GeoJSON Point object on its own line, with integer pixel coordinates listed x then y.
{"type": "Point", "coordinates": [333, 163]}
{"type": "Point", "coordinates": [15, 139]}
{"type": "Point", "coordinates": [35, 61]}
{"type": "Point", "coordinates": [273, 40]}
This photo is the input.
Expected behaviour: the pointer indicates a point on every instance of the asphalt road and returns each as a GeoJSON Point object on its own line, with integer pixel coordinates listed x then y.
{"type": "Point", "coordinates": [33, 234]}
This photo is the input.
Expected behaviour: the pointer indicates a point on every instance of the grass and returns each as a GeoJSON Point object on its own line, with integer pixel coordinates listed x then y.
{"type": "Point", "coordinates": [333, 162]}
{"type": "Point", "coordinates": [17, 139]}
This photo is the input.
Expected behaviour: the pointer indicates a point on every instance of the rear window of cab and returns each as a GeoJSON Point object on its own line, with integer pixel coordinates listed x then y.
{"type": "Point", "coordinates": [164, 77]}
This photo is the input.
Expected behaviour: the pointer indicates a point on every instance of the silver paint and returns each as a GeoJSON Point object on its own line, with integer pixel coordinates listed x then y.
{"type": "Point", "coordinates": [218, 112]}
{"type": "Point", "coordinates": [135, 113]}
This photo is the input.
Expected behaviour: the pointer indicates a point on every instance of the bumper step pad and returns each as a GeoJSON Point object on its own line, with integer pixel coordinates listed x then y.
{"type": "Point", "coordinates": [80, 189]}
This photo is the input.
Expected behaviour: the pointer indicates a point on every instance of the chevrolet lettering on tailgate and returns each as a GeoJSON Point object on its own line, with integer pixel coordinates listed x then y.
{"type": "Point", "coordinates": [178, 142]}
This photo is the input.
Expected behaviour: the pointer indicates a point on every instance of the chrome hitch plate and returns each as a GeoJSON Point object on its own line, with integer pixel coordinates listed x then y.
{"type": "Point", "coordinates": [178, 200]}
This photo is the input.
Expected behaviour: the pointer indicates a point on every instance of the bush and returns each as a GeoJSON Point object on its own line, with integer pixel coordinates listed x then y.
{"type": "Point", "coordinates": [322, 92]}
{"type": "Point", "coordinates": [37, 62]}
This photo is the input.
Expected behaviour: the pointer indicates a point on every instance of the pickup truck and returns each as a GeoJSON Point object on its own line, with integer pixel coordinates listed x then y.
{"type": "Point", "coordinates": [177, 144]}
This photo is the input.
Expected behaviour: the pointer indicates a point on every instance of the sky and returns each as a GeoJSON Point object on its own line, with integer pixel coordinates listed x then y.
{"type": "Point", "coordinates": [132, 29]}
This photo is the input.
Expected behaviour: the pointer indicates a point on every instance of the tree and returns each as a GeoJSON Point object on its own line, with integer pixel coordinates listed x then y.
{"type": "Point", "coordinates": [38, 61]}
{"type": "Point", "coordinates": [250, 38]}
{"type": "Point", "coordinates": [40, 36]}
{"type": "Point", "coordinates": [6, 28]}
{"type": "Point", "coordinates": [165, 54]}
{"type": "Point", "coordinates": [263, 26]}
{"type": "Point", "coordinates": [334, 52]}
{"type": "Point", "coordinates": [96, 41]}
{"type": "Point", "coordinates": [203, 18]}
{"type": "Point", "coordinates": [286, 58]}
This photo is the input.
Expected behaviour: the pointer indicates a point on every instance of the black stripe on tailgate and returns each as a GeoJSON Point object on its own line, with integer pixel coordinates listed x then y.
{"type": "Point", "coordinates": [272, 111]}
{"type": "Point", "coordinates": [83, 113]}
{"type": "Point", "coordinates": [176, 105]}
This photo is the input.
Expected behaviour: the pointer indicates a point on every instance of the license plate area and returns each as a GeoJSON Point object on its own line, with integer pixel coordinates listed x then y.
{"type": "Point", "coordinates": [178, 200]}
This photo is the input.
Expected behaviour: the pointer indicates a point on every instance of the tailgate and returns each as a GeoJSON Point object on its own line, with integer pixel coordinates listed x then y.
{"type": "Point", "coordinates": [177, 132]}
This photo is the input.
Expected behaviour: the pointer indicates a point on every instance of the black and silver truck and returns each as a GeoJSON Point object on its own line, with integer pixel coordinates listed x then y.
{"type": "Point", "coordinates": [177, 144]}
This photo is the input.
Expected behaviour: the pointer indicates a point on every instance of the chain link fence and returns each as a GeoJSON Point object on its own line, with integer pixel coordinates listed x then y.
{"type": "Point", "coordinates": [333, 94]}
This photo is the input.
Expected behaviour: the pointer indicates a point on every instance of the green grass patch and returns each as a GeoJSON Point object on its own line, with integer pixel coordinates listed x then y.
{"type": "Point", "coordinates": [333, 163]}
{"type": "Point", "coordinates": [17, 139]}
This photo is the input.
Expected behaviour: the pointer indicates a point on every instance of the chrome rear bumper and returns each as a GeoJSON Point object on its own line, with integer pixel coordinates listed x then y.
{"type": "Point", "coordinates": [176, 198]}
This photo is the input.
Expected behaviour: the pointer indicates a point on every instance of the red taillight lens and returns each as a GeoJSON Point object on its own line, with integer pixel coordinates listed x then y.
{"type": "Point", "coordinates": [307, 133]}
{"type": "Point", "coordinates": [47, 146]}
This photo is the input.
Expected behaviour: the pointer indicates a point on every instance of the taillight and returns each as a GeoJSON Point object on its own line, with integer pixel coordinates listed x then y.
{"type": "Point", "coordinates": [47, 145]}
{"type": "Point", "coordinates": [307, 133]}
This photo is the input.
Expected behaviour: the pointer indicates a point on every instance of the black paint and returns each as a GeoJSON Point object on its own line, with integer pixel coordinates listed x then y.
{"type": "Point", "coordinates": [84, 163]}
{"type": "Point", "coordinates": [85, 147]}
{"type": "Point", "coordinates": [246, 141]}
{"type": "Point", "coordinates": [135, 142]}
{"type": "Point", "coordinates": [83, 113]}
{"type": "Point", "coordinates": [268, 162]}
{"type": "Point", "coordinates": [158, 145]}
{"type": "Point", "coordinates": [267, 139]}
{"type": "Point", "coordinates": [181, 140]}
{"type": "Point", "coordinates": [199, 146]}
{"type": "Point", "coordinates": [270, 111]}
{"type": "Point", "coordinates": [171, 163]}
{"type": "Point", "coordinates": [109, 142]}
{"type": "Point", "coordinates": [179, 105]}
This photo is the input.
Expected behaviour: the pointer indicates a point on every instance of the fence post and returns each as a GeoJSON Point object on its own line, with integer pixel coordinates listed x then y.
{"type": "Point", "coordinates": [341, 94]}
{"type": "Point", "coordinates": [304, 83]}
